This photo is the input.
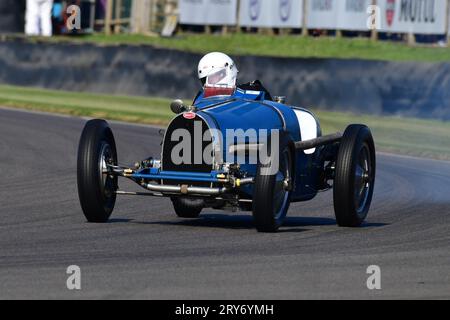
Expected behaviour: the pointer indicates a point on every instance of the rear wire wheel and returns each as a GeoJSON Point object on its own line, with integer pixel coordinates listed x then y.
{"type": "Point", "coordinates": [96, 186]}
{"type": "Point", "coordinates": [354, 177]}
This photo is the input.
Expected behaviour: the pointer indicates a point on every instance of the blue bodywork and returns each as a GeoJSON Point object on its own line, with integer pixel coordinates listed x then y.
{"type": "Point", "coordinates": [250, 110]}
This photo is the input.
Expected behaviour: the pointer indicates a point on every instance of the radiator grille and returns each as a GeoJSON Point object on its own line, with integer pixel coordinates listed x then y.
{"type": "Point", "coordinates": [167, 162]}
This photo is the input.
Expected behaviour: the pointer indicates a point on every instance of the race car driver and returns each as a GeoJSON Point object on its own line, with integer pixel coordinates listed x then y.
{"type": "Point", "coordinates": [218, 75]}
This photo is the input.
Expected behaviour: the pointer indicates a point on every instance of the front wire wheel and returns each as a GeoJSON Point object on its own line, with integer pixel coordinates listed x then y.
{"type": "Point", "coordinates": [272, 193]}
{"type": "Point", "coordinates": [96, 185]}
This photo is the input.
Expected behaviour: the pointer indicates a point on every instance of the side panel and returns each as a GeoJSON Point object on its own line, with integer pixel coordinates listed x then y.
{"type": "Point", "coordinates": [308, 162]}
{"type": "Point", "coordinates": [249, 117]}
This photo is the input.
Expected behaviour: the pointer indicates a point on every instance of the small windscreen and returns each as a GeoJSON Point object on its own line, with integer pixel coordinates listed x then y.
{"type": "Point", "coordinates": [216, 77]}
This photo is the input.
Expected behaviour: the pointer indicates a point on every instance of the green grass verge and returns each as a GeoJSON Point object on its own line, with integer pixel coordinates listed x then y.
{"type": "Point", "coordinates": [131, 109]}
{"type": "Point", "coordinates": [279, 46]}
{"type": "Point", "coordinates": [425, 138]}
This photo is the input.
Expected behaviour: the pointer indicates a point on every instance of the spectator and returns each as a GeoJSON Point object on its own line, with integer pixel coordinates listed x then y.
{"type": "Point", "coordinates": [57, 17]}
{"type": "Point", "coordinates": [38, 18]}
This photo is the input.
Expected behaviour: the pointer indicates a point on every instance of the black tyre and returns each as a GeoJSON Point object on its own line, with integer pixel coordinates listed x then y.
{"type": "Point", "coordinates": [96, 188]}
{"type": "Point", "coordinates": [272, 192]}
{"type": "Point", "coordinates": [187, 208]}
{"type": "Point", "coordinates": [354, 177]}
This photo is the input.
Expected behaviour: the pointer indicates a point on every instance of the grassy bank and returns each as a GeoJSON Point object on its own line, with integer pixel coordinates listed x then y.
{"type": "Point", "coordinates": [426, 138]}
{"type": "Point", "coordinates": [279, 46]}
{"type": "Point", "coordinates": [131, 109]}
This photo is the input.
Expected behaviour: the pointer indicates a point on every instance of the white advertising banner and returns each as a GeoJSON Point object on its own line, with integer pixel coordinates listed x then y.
{"type": "Point", "coordinates": [352, 14]}
{"type": "Point", "coordinates": [271, 13]}
{"type": "Point", "coordinates": [208, 12]}
{"type": "Point", "coordinates": [322, 14]}
{"type": "Point", "coordinates": [338, 14]}
{"type": "Point", "coordinates": [403, 16]}
{"type": "Point", "coordinates": [415, 16]}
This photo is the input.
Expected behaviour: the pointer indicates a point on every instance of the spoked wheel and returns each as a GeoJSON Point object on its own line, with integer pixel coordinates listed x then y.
{"type": "Point", "coordinates": [272, 193]}
{"type": "Point", "coordinates": [96, 186]}
{"type": "Point", "coordinates": [354, 177]}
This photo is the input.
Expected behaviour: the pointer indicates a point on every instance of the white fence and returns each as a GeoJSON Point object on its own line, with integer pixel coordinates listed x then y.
{"type": "Point", "coordinates": [397, 16]}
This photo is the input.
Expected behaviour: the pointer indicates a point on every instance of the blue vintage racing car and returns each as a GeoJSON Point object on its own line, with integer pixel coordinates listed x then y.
{"type": "Point", "coordinates": [204, 165]}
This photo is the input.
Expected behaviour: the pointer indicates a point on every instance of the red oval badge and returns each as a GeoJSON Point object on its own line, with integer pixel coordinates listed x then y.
{"type": "Point", "coordinates": [189, 115]}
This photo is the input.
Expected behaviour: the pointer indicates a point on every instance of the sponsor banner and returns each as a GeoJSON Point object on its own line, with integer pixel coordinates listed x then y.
{"type": "Point", "coordinates": [352, 14]}
{"type": "Point", "coordinates": [322, 14]}
{"type": "Point", "coordinates": [403, 16]}
{"type": "Point", "coordinates": [415, 16]}
{"type": "Point", "coordinates": [271, 13]}
{"type": "Point", "coordinates": [338, 14]}
{"type": "Point", "coordinates": [208, 12]}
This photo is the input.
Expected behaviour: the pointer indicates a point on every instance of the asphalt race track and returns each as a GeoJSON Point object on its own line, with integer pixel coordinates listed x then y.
{"type": "Point", "coordinates": [147, 252]}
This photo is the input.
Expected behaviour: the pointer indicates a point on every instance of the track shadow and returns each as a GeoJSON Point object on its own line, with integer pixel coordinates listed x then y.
{"type": "Point", "coordinates": [211, 221]}
{"type": "Point", "coordinates": [373, 225]}
{"type": "Point", "coordinates": [294, 224]}
{"type": "Point", "coordinates": [118, 220]}
{"type": "Point", "coordinates": [242, 222]}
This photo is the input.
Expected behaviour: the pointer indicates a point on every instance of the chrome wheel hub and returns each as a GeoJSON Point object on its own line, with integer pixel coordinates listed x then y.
{"type": "Point", "coordinates": [105, 179]}
{"type": "Point", "coordinates": [282, 184]}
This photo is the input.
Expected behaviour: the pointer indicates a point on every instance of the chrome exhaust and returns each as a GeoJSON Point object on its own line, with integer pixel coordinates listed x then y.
{"type": "Point", "coordinates": [185, 190]}
{"type": "Point", "coordinates": [189, 190]}
{"type": "Point", "coordinates": [318, 142]}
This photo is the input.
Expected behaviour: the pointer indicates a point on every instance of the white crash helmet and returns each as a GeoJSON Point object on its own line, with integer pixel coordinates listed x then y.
{"type": "Point", "coordinates": [217, 69]}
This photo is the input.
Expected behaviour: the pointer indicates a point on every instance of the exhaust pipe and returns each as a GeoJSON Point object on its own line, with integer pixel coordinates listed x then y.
{"type": "Point", "coordinates": [301, 145]}
{"type": "Point", "coordinates": [184, 189]}
{"type": "Point", "coordinates": [318, 142]}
